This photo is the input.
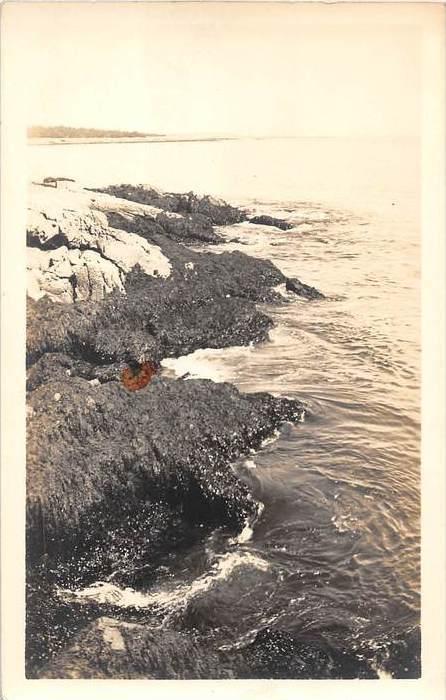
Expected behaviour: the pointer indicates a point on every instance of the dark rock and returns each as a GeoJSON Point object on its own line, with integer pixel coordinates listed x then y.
{"type": "Point", "coordinates": [49, 367]}
{"type": "Point", "coordinates": [110, 648]}
{"type": "Point", "coordinates": [206, 302]}
{"type": "Point", "coordinates": [53, 366]}
{"type": "Point", "coordinates": [185, 229]}
{"type": "Point", "coordinates": [271, 221]}
{"type": "Point", "coordinates": [128, 553]}
{"type": "Point", "coordinates": [117, 481]}
{"type": "Point", "coordinates": [50, 622]}
{"type": "Point", "coordinates": [230, 273]}
{"type": "Point", "coordinates": [401, 657]}
{"type": "Point", "coordinates": [144, 226]}
{"type": "Point", "coordinates": [96, 452]}
{"type": "Point", "coordinates": [120, 330]}
{"type": "Point", "coordinates": [189, 228]}
{"type": "Point", "coordinates": [276, 654]}
{"type": "Point", "coordinates": [217, 211]}
{"type": "Point", "coordinates": [303, 290]}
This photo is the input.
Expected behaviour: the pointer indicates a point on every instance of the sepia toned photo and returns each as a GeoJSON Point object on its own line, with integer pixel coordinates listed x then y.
{"type": "Point", "coordinates": [223, 341]}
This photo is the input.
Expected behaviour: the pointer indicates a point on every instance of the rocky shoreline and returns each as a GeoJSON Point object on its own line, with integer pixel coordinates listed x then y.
{"type": "Point", "coordinates": [119, 479]}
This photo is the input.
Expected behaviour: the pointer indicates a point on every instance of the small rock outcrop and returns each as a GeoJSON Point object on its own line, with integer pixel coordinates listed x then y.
{"type": "Point", "coordinates": [303, 290]}
{"type": "Point", "coordinates": [271, 221]}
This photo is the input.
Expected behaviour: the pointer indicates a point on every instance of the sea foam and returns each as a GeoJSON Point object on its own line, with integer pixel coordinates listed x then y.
{"type": "Point", "coordinates": [163, 599]}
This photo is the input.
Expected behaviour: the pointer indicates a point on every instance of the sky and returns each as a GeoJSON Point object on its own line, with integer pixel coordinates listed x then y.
{"type": "Point", "coordinates": [260, 69]}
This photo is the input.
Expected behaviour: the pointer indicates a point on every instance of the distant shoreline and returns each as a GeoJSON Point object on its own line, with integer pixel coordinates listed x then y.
{"type": "Point", "coordinates": [59, 141]}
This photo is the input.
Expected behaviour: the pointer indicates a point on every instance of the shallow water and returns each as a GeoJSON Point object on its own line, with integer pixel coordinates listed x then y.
{"type": "Point", "coordinates": [333, 555]}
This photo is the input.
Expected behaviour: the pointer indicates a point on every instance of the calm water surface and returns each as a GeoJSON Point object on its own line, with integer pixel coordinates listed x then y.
{"type": "Point", "coordinates": [334, 553]}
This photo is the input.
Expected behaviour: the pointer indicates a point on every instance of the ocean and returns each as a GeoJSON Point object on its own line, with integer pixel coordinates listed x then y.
{"type": "Point", "coordinates": [333, 556]}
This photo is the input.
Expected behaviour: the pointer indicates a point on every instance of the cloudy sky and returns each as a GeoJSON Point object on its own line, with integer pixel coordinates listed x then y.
{"type": "Point", "coordinates": [264, 69]}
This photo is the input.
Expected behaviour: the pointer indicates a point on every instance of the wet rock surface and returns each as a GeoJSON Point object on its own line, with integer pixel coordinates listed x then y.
{"type": "Point", "coordinates": [303, 290]}
{"type": "Point", "coordinates": [109, 648]}
{"type": "Point", "coordinates": [119, 480]}
{"type": "Point", "coordinates": [112, 648]}
{"type": "Point", "coordinates": [276, 654]}
{"type": "Point", "coordinates": [264, 220]}
{"type": "Point", "coordinates": [93, 447]}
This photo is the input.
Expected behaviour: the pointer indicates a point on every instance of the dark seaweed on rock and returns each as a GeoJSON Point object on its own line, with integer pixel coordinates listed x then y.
{"type": "Point", "coordinates": [92, 447]}
{"type": "Point", "coordinates": [186, 229]}
{"type": "Point", "coordinates": [276, 654]}
{"type": "Point", "coordinates": [117, 480]}
{"type": "Point", "coordinates": [206, 302]}
{"type": "Point", "coordinates": [113, 648]}
{"type": "Point", "coordinates": [195, 225]}
{"type": "Point", "coordinates": [117, 649]}
{"type": "Point", "coordinates": [218, 212]}
{"type": "Point", "coordinates": [50, 622]}
{"type": "Point", "coordinates": [121, 330]}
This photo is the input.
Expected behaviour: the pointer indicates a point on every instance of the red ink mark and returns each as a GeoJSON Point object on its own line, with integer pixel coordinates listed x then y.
{"type": "Point", "coordinates": [138, 378]}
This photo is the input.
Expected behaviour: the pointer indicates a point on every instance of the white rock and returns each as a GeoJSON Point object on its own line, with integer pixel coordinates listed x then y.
{"type": "Point", "coordinates": [41, 228]}
{"type": "Point", "coordinates": [49, 272]}
{"type": "Point", "coordinates": [93, 258]}
{"type": "Point", "coordinates": [129, 249]}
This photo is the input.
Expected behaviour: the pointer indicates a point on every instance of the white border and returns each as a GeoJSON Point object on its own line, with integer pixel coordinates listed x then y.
{"type": "Point", "coordinates": [431, 20]}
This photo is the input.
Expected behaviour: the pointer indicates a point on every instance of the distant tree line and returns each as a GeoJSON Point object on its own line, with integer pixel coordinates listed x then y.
{"type": "Point", "coordinates": [73, 132]}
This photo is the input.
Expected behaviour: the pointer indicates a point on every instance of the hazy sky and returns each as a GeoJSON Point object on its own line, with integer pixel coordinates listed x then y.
{"type": "Point", "coordinates": [259, 68]}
